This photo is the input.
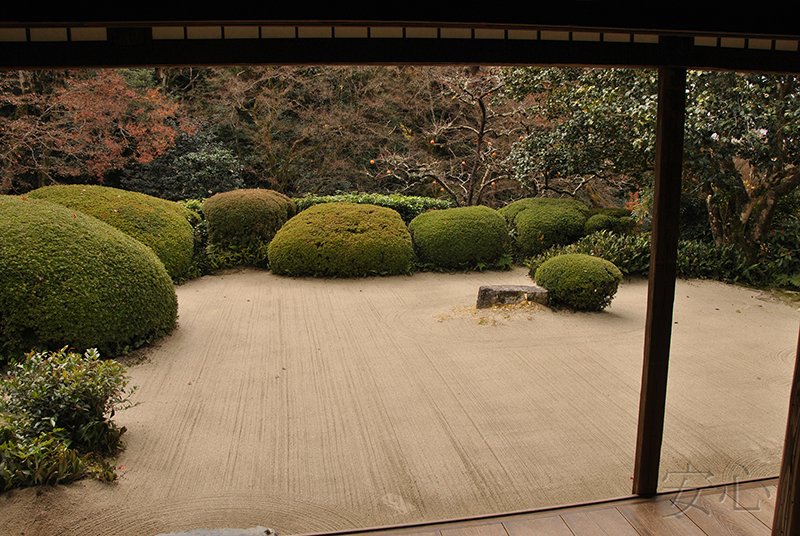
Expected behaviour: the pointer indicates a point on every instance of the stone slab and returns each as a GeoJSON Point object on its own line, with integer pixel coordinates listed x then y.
{"type": "Point", "coordinates": [491, 295]}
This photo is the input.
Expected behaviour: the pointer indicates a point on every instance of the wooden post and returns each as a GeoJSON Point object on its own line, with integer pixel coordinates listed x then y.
{"type": "Point", "coordinates": [786, 520]}
{"type": "Point", "coordinates": [661, 289]}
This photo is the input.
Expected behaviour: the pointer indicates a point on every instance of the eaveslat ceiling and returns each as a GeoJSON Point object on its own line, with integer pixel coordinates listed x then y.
{"type": "Point", "coordinates": [699, 35]}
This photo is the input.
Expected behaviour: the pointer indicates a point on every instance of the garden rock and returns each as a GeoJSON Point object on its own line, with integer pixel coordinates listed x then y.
{"type": "Point", "coordinates": [491, 295]}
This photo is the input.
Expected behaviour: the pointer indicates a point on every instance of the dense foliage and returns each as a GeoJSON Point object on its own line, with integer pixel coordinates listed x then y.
{"type": "Point", "coordinates": [196, 167]}
{"type": "Point", "coordinates": [459, 238]}
{"type": "Point", "coordinates": [70, 279]}
{"type": "Point", "coordinates": [157, 223]}
{"type": "Point", "coordinates": [579, 281]}
{"type": "Point", "coordinates": [342, 240]}
{"type": "Point", "coordinates": [59, 407]}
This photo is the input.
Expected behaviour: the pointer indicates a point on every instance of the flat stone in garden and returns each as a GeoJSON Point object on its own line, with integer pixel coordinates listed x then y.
{"type": "Point", "coordinates": [491, 295]}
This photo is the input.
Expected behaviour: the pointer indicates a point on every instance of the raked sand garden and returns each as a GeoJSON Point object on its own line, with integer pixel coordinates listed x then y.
{"type": "Point", "coordinates": [315, 405]}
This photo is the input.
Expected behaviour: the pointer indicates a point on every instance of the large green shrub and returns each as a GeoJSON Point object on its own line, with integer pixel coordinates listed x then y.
{"type": "Point", "coordinates": [579, 281]}
{"type": "Point", "coordinates": [71, 280]}
{"type": "Point", "coordinates": [408, 206]}
{"type": "Point", "coordinates": [159, 224]}
{"type": "Point", "coordinates": [241, 223]}
{"type": "Point", "coordinates": [342, 240]}
{"type": "Point", "coordinates": [197, 166]}
{"type": "Point", "coordinates": [537, 223]}
{"type": "Point", "coordinates": [463, 237]}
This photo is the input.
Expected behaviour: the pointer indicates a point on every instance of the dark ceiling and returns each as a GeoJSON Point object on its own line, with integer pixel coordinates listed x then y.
{"type": "Point", "coordinates": [702, 35]}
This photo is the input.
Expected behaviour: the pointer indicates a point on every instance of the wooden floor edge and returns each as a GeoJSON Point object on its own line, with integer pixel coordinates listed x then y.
{"type": "Point", "coordinates": [499, 517]}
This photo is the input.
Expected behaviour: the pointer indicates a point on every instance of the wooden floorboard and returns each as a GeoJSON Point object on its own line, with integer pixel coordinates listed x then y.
{"type": "Point", "coordinates": [737, 509]}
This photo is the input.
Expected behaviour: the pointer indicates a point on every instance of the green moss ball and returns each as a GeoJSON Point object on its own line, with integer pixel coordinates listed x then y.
{"type": "Point", "coordinates": [342, 240]}
{"type": "Point", "coordinates": [71, 280]}
{"type": "Point", "coordinates": [463, 237]}
{"type": "Point", "coordinates": [579, 281]}
{"type": "Point", "coordinates": [159, 224]}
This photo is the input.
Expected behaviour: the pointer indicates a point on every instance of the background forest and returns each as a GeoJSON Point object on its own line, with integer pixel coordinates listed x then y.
{"type": "Point", "coordinates": [471, 135]}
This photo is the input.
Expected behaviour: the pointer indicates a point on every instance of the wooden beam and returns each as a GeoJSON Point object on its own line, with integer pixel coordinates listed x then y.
{"type": "Point", "coordinates": [661, 289]}
{"type": "Point", "coordinates": [786, 520]}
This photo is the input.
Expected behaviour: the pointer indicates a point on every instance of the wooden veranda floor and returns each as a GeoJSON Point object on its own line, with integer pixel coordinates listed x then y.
{"type": "Point", "coordinates": [734, 509]}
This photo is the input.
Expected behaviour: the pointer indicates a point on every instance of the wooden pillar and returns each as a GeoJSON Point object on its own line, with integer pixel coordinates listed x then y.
{"type": "Point", "coordinates": [661, 289]}
{"type": "Point", "coordinates": [786, 521]}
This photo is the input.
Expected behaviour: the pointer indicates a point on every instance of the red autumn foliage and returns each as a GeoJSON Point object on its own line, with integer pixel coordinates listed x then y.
{"type": "Point", "coordinates": [80, 124]}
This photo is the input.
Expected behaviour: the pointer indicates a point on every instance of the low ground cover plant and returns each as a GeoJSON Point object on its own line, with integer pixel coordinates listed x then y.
{"type": "Point", "coordinates": [696, 259]}
{"type": "Point", "coordinates": [579, 281]}
{"type": "Point", "coordinates": [342, 240]}
{"type": "Point", "coordinates": [58, 408]}
{"type": "Point", "coordinates": [70, 279]}
{"type": "Point", "coordinates": [460, 238]}
{"type": "Point", "coordinates": [159, 224]}
{"type": "Point", "coordinates": [241, 223]}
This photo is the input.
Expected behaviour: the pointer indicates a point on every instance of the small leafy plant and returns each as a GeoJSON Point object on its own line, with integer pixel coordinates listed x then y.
{"type": "Point", "coordinates": [58, 407]}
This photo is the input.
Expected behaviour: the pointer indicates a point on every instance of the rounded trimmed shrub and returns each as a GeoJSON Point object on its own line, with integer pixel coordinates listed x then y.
{"type": "Point", "coordinates": [463, 237]}
{"type": "Point", "coordinates": [580, 281]}
{"type": "Point", "coordinates": [242, 216]}
{"type": "Point", "coordinates": [606, 222]}
{"type": "Point", "coordinates": [539, 223]}
{"type": "Point", "coordinates": [157, 223]}
{"type": "Point", "coordinates": [342, 240]}
{"type": "Point", "coordinates": [71, 280]}
{"type": "Point", "coordinates": [241, 223]}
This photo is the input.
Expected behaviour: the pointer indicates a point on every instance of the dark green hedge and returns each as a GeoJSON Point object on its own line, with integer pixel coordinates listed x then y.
{"type": "Point", "coordinates": [342, 240]}
{"type": "Point", "coordinates": [71, 280]}
{"type": "Point", "coordinates": [459, 238]}
{"type": "Point", "coordinates": [579, 281]}
{"type": "Point", "coordinates": [159, 224]}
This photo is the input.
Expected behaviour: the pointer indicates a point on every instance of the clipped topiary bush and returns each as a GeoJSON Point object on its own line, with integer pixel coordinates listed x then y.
{"type": "Point", "coordinates": [539, 223]}
{"type": "Point", "coordinates": [157, 223]}
{"type": "Point", "coordinates": [579, 281]}
{"type": "Point", "coordinates": [408, 206]}
{"type": "Point", "coordinates": [342, 240]}
{"type": "Point", "coordinates": [456, 238]}
{"type": "Point", "coordinates": [241, 223]}
{"type": "Point", "coordinates": [616, 220]}
{"type": "Point", "coordinates": [71, 280]}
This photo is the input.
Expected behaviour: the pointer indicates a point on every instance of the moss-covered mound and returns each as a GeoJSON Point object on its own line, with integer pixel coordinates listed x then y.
{"type": "Point", "coordinates": [579, 281]}
{"type": "Point", "coordinates": [539, 223]}
{"type": "Point", "coordinates": [70, 279]}
{"type": "Point", "coordinates": [159, 224]}
{"type": "Point", "coordinates": [342, 240]}
{"type": "Point", "coordinates": [463, 237]}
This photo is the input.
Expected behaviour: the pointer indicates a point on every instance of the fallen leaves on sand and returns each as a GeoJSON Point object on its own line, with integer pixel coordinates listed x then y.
{"type": "Point", "coordinates": [496, 315]}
